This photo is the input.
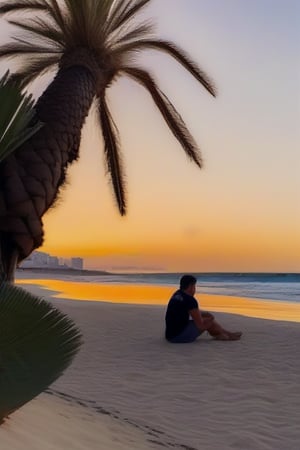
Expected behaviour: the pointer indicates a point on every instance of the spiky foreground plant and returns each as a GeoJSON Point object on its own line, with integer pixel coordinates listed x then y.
{"type": "Point", "coordinates": [17, 124]}
{"type": "Point", "coordinates": [91, 42]}
{"type": "Point", "coordinates": [16, 117]}
{"type": "Point", "coordinates": [37, 343]}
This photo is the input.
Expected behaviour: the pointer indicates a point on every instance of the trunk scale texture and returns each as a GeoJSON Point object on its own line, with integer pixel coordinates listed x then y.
{"type": "Point", "coordinates": [31, 177]}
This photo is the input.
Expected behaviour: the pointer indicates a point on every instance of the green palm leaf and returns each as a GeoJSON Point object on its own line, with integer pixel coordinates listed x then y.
{"type": "Point", "coordinates": [16, 117]}
{"type": "Point", "coordinates": [37, 343]}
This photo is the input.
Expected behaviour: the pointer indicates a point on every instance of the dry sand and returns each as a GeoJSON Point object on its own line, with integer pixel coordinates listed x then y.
{"type": "Point", "coordinates": [129, 389]}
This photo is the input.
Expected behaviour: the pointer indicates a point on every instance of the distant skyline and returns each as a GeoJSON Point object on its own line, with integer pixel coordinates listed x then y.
{"type": "Point", "coordinates": [40, 260]}
{"type": "Point", "coordinates": [242, 211]}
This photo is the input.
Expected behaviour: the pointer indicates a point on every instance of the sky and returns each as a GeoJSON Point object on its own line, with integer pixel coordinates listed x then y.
{"type": "Point", "coordinates": [241, 212]}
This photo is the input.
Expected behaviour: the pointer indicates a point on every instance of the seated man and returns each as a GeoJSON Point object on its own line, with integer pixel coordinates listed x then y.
{"type": "Point", "coordinates": [183, 305]}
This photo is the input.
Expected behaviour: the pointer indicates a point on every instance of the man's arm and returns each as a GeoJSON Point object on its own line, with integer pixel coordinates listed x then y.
{"type": "Point", "coordinates": [203, 323]}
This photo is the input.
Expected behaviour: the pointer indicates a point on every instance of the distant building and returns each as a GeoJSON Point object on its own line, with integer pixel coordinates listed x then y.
{"type": "Point", "coordinates": [53, 262]}
{"type": "Point", "coordinates": [77, 263]}
{"type": "Point", "coordinates": [40, 260]}
{"type": "Point", "coordinates": [36, 259]}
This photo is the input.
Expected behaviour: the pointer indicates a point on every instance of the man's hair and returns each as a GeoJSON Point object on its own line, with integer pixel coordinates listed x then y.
{"type": "Point", "coordinates": [186, 281]}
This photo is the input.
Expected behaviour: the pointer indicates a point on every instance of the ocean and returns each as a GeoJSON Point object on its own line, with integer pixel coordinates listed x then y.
{"type": "Point", "coordinates": [270, 286]}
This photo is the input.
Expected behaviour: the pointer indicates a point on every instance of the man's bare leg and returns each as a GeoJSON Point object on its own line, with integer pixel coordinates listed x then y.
{"type": "Point", "coordinates": [218, 332]}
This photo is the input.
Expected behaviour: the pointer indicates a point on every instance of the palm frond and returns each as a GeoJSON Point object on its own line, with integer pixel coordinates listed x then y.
{"type": "Point", "coordinates": [87, 21]}
{"type": "Point", "coordinates": [47, 35]}
{"type": "Point", "coordinates": [19, 5]}
{"type": "Point", "coordinates": [138, 32]}
{"type": "Point", "coordinates": [16, 117]}
{"type": "Point", "coordinates": [175, 52]}
{"type": "Point", "coordinates": [16, 49]}
{"type": "Point", "coordinates": [117, 10]}
{"type": "Point", "coordinates": [168, 111]}
{"type": "Point", "coordinates": [78, 11]}
{"type": "Point", "coordinates": [42, 36]}
{"type": "Point", "coordinates": [112, 154]}
{"type": "Point", "coordinates": [35, 67]}
{"type": "Point", "coordinates": [64, 25]}
{"type": "Point", "coordinates": [123, 11]}
{"type": "Point", "coordinates": [59, 18]}
{"type": "Point", "coordinates": [37, 344]}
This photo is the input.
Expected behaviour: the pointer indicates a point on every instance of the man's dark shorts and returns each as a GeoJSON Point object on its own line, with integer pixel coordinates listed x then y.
{"type": "Point", "coordinates": [189, 334]}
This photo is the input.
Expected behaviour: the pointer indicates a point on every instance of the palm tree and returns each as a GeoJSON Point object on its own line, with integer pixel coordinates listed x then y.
{"type": "Point", "coordinates": [17, 124]}
{"type": "Point", "coordinates": [91, 43]}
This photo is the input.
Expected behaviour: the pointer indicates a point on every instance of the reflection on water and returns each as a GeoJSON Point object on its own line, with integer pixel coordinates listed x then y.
{"type": "Point", "coordinates": [159, 295]}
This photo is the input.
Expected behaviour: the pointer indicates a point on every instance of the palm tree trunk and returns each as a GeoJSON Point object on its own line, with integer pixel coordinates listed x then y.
{"type": "Point", "coordinates": [31, 177]}
{"type": "Point", "coordinates": [9, 256]}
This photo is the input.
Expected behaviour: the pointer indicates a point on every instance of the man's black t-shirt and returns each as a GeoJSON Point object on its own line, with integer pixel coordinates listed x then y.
{"type": "Point", "coordinates": [177, 315]}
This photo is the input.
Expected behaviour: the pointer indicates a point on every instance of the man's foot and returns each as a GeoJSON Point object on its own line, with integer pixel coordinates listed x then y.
{"type": "Point", "coordinates": [235, 333]}
{"type": "Point", "coordinates": [222, 337]}
{"type": "Point", "coordinates": [228, 336]}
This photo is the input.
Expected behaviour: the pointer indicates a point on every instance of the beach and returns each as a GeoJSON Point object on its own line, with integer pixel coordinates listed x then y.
{"type": "Point", "coordinates": [130, 389]}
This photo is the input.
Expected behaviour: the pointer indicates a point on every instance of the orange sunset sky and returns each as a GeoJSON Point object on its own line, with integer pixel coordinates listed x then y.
{"type": "Point", "coordinates": [242, 211]}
